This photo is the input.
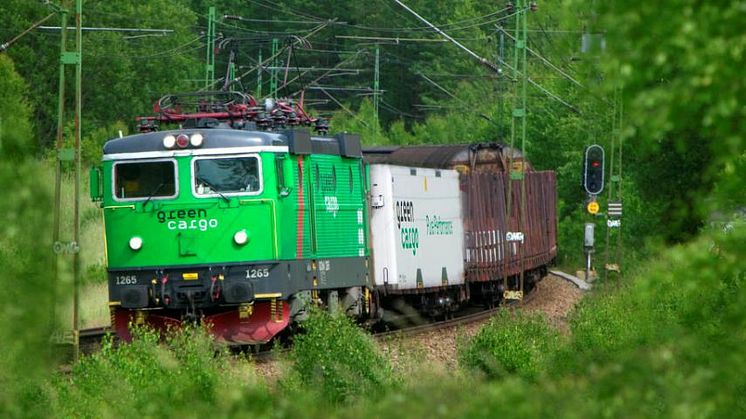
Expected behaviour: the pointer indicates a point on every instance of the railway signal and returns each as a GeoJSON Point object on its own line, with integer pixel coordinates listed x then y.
{"type": "Point", "coordinates": [593, 169]}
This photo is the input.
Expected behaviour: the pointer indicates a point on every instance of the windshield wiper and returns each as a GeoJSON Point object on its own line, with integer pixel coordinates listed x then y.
{"type": "Point", "coordinates": [152, 194]}
{"type": "Point", "coordinates": [214, 189]}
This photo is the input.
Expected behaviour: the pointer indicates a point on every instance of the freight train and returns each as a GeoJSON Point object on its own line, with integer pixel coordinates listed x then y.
{"type": "Point", "coordinates": [239, 219]}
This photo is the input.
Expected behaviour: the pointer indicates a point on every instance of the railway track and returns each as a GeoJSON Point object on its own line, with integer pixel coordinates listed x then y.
{"type": "Point", "coordinates": [453, 322]}
{"type": "Point", "coordinates": [460, 320]}
{"type": "Point", "coordinates": [90, 339]}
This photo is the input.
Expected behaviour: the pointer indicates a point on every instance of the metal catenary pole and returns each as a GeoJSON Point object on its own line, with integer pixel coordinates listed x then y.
{"type": "Point", "coordinates": [614, 212]}
{"type": "Point", "coordinates": [210, 64]}
{"type": "Point", "coordinates": [76, 216]}
{"type": "Point", "coordinates": [61, 156]}
{"type": "Point", "coordinates": [517, 132]}
{"type": "Point", "coordinates": [66, 154]}
{"type": "Point", "coordinates": [259, 77]}
{"type": "Point", "coordinates": [274, 74]}
{"type": "Point", "coordinates": [376, 81]}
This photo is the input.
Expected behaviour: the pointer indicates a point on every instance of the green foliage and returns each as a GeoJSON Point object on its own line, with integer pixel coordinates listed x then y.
{"type": "Point", "coordinates": [184, 377]}
{"type": "Point", "coordinates": [123, 74]}
{"type": "Point", "coordinates": [93, 141]}
{"type": "Point", "coordinates": [683, 91]}
{"type": "Point", "coordinates": [25, 257]}
{"type": "Point", "coordinates": [511, 344]}
{"type": "Point", "coordinates": [338, 359]}
{"type": "Point", "coordinates": [15, 112]}
{"type": "Point", "coordinates": [363, 122]}
{"type": "Point", "coordinates": [668, 344]}
{"type": "Point", "coordinates": [672, 342]}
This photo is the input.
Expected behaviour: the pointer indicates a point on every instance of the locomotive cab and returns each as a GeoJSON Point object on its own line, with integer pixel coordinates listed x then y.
{"type": "Point", "coordinates": [222, 230]}
{"type": "Point", "coordinates": [192, 229]}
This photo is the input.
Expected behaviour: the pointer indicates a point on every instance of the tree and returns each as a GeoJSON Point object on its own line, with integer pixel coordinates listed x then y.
{"type": "Point", "coordinates": [15, 111]}
{"type": "Point", "coordinates": [681, 67]}
{"type": "Point", "coordinates": [25, 252]}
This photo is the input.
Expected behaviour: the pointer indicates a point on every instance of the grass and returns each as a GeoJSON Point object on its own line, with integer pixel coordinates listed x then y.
{"type": "Point", "coordinates": [511, 344]}
{"type": "Point", "coordinates": [94, 306]}
{"type": "Point", "coordinates": [94, 311]}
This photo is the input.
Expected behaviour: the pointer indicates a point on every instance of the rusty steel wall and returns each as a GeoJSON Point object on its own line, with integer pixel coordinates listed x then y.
{"type": "Point", "coordinates": [485, 227]}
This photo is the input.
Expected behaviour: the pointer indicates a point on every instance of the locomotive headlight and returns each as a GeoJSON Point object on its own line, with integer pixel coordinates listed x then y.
{"type": "Point", "coordinates": [135, 243]}
{"type": "Point", "coordinates": [196, 140]}
{"type": "Point", "coordinates": [169, 141]}
{"type": "Point", "coordinates": [241, 237]}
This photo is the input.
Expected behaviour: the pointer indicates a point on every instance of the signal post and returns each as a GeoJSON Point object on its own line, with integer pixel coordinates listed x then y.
{"type": "Point", "coordinates": [593, 183]}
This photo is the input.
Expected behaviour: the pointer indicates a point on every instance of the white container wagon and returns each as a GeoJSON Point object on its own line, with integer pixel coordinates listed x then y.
{"type": "Point", "coordinates": [417, 236]}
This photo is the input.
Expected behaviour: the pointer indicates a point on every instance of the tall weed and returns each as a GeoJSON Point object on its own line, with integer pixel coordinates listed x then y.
{"type": "Point", "coordinates": [338, 359]}
{"type": "Point", "coordinates": [510, 344]}
{"type": "Point", "coordinates": [187, 376]}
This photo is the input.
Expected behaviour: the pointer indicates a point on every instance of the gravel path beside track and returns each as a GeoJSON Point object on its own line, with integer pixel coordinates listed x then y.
{"type": "Point", "coordinates": [437, 350]}
{"type": "Point", "coordinates": [554, 297]}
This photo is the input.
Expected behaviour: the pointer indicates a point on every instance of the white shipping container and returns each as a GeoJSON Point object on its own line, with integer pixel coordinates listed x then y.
{"type": "Point", "coordinates": [417, 233]}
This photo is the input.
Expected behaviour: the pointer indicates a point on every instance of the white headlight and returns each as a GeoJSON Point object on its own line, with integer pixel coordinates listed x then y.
{"type": "Point", "coordinates": [241, 237]}
{"type": "Point", "coordinates": [169, 141]}
{"type": "Point", "coordinates": [135, 243]}
{"type": "Point", "coordinates": [196, 139]}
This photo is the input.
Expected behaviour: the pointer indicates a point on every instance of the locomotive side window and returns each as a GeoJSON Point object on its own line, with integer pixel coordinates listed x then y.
{"type": "Point", "coordinates": [240, 175]}
{"type": "Point", "coordinates": [144, 180]}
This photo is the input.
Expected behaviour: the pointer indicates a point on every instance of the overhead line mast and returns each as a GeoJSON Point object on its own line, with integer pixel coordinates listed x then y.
{"type": "Point", "coordinates": [66, 154]}
{"type": "Point", "coordinates": [376, 81]}
{"type": "Point", "coordinates": [613, 262]}
{"type": "Point", "coordinates": [210, 56]}
{"type": "Point", "coordinates": [518, 132]}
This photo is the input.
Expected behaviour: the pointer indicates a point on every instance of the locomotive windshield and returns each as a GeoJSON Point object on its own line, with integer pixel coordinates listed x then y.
{"type": "Point", "coordinates": [227, 175]}
{"type": "Point", "coordinates": [144, 179]}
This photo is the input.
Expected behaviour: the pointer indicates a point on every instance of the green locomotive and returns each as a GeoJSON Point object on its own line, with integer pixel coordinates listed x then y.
{"type": "Point", "coordinates": [239, 229]}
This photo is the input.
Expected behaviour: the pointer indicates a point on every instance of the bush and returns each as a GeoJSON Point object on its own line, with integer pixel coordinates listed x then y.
{"type": "Point", "coordinates": [184, 377]}
{"type": "Point", "coordinates": [338, 358]}
{"type": "Point", "coordinates": [510, 344]}
{"type": "Point", "coordinates": [669, 344]}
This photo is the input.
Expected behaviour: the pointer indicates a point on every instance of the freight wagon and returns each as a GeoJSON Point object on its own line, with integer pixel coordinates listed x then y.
{"type": "Point", "coordinates": [499, 248]}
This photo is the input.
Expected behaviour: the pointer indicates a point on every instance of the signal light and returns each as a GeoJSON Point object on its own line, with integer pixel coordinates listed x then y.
{"type": "Point", "coordinates": [182, 140]}
{"type": "Point", "coordinates": [593, 169]}
{"type": "Point", "coordinates": [534, 7]}
{"type": "Point", "coordinates": [509, 7]}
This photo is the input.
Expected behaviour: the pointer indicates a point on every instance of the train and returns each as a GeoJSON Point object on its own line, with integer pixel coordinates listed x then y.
{"type": "Point", "coordinates": [237, 217]}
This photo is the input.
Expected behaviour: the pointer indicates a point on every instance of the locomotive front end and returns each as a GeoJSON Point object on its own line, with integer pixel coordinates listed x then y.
{"type": "Point", "coordinates": [192, 232]}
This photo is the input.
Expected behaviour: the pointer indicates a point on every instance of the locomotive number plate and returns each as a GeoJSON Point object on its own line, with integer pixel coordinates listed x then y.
{"type": "Point", "coordinates": [257, 273]}
{"type": "Point", "coordinates": [513, 295]}
{"type": "Point", "coordinates": [126, 279]}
